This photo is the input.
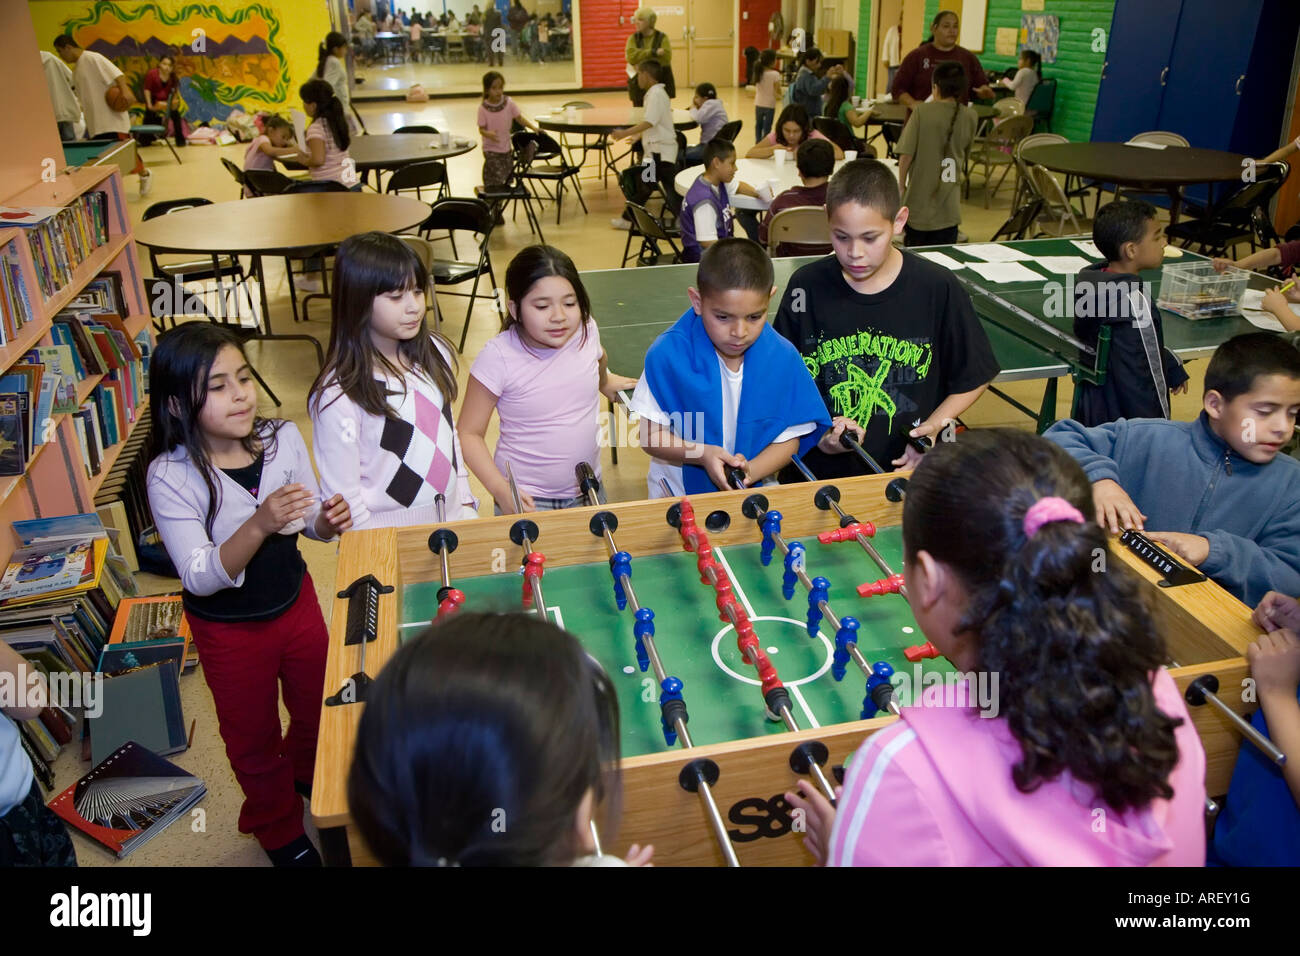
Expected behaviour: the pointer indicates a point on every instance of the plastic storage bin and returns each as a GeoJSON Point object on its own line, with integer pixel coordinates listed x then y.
{"type": "Point", "coordinates": [1195, 290]}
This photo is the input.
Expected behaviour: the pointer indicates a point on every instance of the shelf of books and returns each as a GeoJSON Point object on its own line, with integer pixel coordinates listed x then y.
{"type": "Point", "coordinates": [75, 339]}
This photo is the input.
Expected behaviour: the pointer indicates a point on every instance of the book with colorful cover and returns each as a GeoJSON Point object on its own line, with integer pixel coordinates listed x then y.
{"type": "Point", "coordinates": [44, 569]}
{"type": "Point", "coordinates": [157, 618]}
{"type": "Point", "coordinates": [13, 459]}
{"type": "Point", "coordinates": [38, 589]}
{"type": "Point", "coordinates": [129, 798]}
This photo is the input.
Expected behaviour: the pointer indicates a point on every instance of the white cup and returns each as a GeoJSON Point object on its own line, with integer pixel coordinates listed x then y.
{"type": "Point", "coordinates": [850, 155]}
{"type": "Point", "coordinates": [779, 155]}
{"type": "Point", "coordinates": [857, 101]}
{"type": "Point", "coordinates": [445, 138]}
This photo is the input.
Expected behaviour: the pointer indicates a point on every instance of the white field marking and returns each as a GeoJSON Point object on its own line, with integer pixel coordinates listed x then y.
{"type": "Point", "coordinates": [415, 624]}
{"type": "Point", "coordinates": [798, 695]}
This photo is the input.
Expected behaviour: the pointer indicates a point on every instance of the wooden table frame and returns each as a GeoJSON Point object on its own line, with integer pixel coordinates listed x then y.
{"type": "Point", "coordinates": [1206, 628]}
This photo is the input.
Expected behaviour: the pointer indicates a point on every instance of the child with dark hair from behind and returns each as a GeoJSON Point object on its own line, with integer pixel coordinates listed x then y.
{"type": "Point", "coordinates": [1141, 371]}
{"type": "Point", "coordinates": [767, 90]}
{"type": "Point", "coordinates": [489, 740]}
{"type": "Point", "coordinates": [1216, 491]}
{"type": "Point", "coordinates": [1084, 724]}
{"type": "Point", "coordinates": [230, 492]}
{"type": "Point", "coordinates": [932, 159]}
{"type": "Point", "coordinates": [890, 338]}
{"type": "Point", "coordinates": [274, 142]}
{"type": "Point", "coordinates": [815, 161]}
{"type": "Point", "coordinates": [720, 388]}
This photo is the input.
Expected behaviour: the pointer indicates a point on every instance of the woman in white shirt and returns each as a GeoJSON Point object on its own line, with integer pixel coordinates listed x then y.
{"type": "Point", "coordinates": [333, 69]}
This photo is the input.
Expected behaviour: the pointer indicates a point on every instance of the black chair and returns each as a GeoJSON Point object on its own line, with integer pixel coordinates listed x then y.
{"type": "Point", "coordinates": [213, 268]}
{"type": "Point", "coordinates": [416, 129]}
{"type": "Point", "coordinates": [236, 173]}
{"type": "Point", "coordinates": [836, 132]}
{"type": "Point", "coordinates": [1241, 216]}
{"type": "Point", "coordinates": [514, 191]}
{"type": "Point", "coordinates": [629, 181]}
{"type": "Point", "coordinates": [431, 173]}
{"type": "Point", "coordinates": [729, 131]}
{"type": "Point", "coordinates": [653, 232]}
{"type": "Point", "coordinates": [464, 215]}
{"type": "Point", "coordinates": [539, 170]}
{"type": "Point", "coordinates": [266, 182]}
{"type": "Point", "coordinates": [316, 186]}
{"type": "Point", "coordinates": [1021, 220]}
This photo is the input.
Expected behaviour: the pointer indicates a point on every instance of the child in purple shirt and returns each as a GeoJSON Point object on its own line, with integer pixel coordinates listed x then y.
{"type": "Point", "coordinates": [544, 375]}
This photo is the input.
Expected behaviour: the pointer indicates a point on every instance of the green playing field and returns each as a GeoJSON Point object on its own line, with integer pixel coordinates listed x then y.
{"type": "Point", "coordinates": [721, 691]}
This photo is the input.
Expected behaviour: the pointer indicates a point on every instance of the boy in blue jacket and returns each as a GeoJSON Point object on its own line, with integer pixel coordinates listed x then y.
{"type": "Point", "coordinates": [1217, 490]}
{"type": "Point", "coordinates": [721, 389]}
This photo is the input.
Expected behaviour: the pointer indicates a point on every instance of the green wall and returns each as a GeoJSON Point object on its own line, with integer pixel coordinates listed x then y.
{"type": "Point", "coordinates": [1077, 68]}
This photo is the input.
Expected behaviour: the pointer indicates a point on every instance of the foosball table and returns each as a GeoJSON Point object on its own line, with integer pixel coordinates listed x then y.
{"type": "Point", "coordinates": [754, 636]}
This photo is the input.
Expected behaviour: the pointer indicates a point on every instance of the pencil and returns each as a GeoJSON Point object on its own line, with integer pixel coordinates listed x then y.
{"type": "Point", "coordinates": [1290, 285]}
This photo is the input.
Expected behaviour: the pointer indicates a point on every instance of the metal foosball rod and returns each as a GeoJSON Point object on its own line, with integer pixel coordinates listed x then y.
{"type": "Point", "coordinates": [827, 501]}
{"type": "Point", "coordinates": [524, 532]}
{"type": "Point", "coordinates": [443, 541]}
{"type": "Point", "coordinates": [740, 623]}
{"type": "Point", "coordinates": [699, 770]}
{"type": "Point", "coordinates": [755, 507]}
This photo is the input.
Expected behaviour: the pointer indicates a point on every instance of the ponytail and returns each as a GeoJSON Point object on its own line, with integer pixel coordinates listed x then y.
{"type": "Point", "coordinates": [1070, 638]}
{"type": "Point", "coordinates": [950, 80]}
{"type": "Point", "coordinates": [332, 39]}
{"type": "Point", "coordinates": [328, 108]}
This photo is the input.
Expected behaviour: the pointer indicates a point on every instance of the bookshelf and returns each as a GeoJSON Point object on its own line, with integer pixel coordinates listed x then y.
{"type": "Point", "coordinates": [57, 479]}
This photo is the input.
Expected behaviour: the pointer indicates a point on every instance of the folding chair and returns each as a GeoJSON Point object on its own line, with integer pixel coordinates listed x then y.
{"type": "Point", "coordinates": [652, 232]}
{"type": "Point", "coordinates": [464, 215]}
{"type": "Point", "coordinates": [806, 225]}
{"type": "Point", "coordinates": [267, 182]}
{"type": "Point", "coordinates": [998, 149]}
{"type": "Point", "coordinates": [431, 173]}
{"type": "Point", "coordinates": [1242, 216]}
{"type": "Point", "coordinates": [236, 173]}
{"type": "Point", "coordinates": [514, 191]}
{"type": "Point", "coordinates": [557, 173]}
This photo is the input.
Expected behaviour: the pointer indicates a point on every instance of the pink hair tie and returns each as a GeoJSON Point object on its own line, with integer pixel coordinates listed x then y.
{"type": "Point", "coordinates": [1046, 510]}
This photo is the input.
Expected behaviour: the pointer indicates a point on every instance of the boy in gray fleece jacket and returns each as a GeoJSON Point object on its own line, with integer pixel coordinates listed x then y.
{"type": "Point", "coordinates": [1215, 491]}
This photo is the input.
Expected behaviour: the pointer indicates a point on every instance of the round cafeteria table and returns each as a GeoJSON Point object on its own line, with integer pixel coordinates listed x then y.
{"type": "Point", "coordinates": [395, 150]}
{"type": "Point", "coordinates": [1152, 170]}
{"type": "Point", "coordinates": [277, 226]}
{"type": "Point", "coordinates": [758, 172]}
{"type": "Point", "coordinates": [601, 121]}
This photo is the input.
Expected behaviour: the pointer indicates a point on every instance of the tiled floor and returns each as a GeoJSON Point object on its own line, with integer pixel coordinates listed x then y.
{"type": "Point", "coordinates": [290, 367]}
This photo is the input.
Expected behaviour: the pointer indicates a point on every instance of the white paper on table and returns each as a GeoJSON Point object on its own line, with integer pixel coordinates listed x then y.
{"type": "Point", "coordinates": [1088, 248]}
{"type": "Point", "coordinates": [1063, 265]}
{"type": "Point", "coordinates": [299, 129]}
{"type": "Point", "coordinates": [946, 261]}
{"type": "Point", "coordinates": [1143, 145]}
{"type": "Point", "coordinates": [994, 252]}
{"type": "Point", "coordinates": [1004, 272]}
{"type": "Point", "coordinates": [1252, 307]}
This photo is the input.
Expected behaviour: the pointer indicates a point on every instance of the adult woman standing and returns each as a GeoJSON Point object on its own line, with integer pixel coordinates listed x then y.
{"type": "Point", "coordinates": [161, 92]}
{"type": "Point", "coordinates": [647, 43]}
{"type": "Point", "coordinates": [914, 81]}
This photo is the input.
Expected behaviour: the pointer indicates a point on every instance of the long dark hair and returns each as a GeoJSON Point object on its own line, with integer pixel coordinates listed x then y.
{"type": "Point", "coordinates": [479, 741]}
{"type": "Point", "coordinates": [836, 93]}
{"type": "Point", "coordinates": [329, 108]}
{"type": "Point", "coordinates": [1075, 646]}
{"type": "Point", "coordinates": [794, 113]}
{"type": "Point", "coordinates": [1035, 60]}
{"type": "Point", "coordinates": [939, 17]}
{"type": "Point", "coordinates": [178, 390]}
{"type": "Point", "coordinates": [533, 264]}
{"type": "Point", "coordinates": [950, 79]}
{"type": "Point", "coordinates": [333, 39]}
{"type": "Point", "coordinates": [366, 266]}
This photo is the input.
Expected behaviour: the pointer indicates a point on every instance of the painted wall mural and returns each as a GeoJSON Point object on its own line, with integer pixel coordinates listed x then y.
{"type": "Point", "coordinates": [228, 55]}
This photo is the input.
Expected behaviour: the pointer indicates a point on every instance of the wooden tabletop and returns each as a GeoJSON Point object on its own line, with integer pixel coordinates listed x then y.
{"type": "Point", "coordinates": [276, 224]}
{"type": "Point", "coordinates": [1137, 166]}
{"type": "Point", "coordinates": [394, 150]}
{"type": "Point", "coordinates": [604, 119]}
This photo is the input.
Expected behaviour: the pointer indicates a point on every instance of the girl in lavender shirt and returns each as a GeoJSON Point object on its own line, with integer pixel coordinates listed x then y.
{"type": "Point", "coordinates": [544, 374]}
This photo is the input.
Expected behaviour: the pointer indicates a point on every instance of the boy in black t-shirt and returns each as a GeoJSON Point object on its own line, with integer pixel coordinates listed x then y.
{"type": "Point", "coordinates": [891, 339]}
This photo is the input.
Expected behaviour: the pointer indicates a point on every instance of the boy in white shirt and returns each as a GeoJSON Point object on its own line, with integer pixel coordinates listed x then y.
{"type": "Point", "coordinates": [658, 137]}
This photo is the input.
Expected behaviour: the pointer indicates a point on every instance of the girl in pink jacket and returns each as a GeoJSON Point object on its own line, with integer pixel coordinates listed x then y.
{"type": "Point", "coordinates": [1084, 753]}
